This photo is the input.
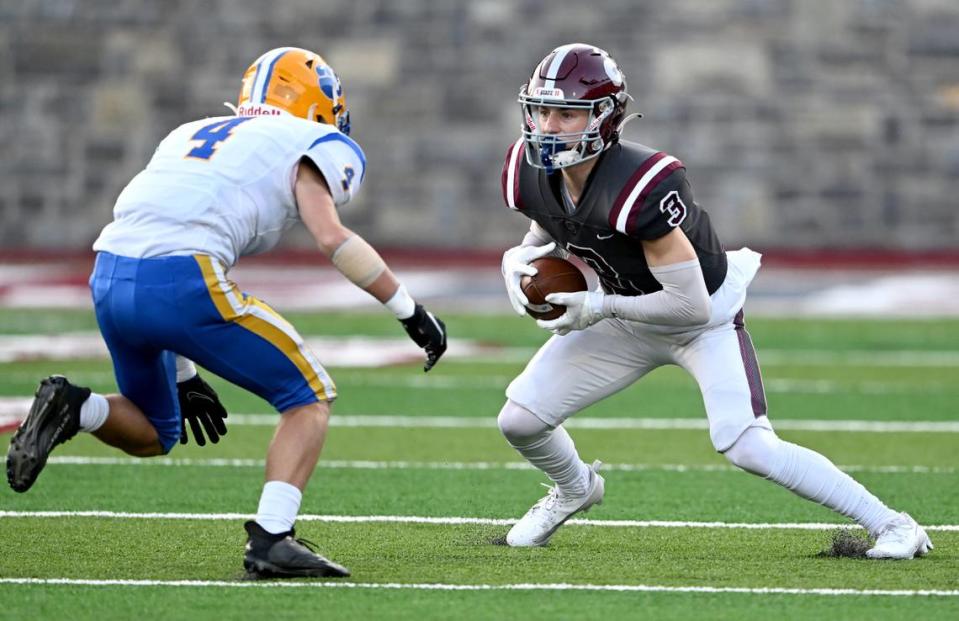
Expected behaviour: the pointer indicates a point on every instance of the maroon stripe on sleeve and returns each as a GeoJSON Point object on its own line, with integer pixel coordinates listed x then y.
{"type": "Point", "coordinates": [751, 365]}
{"type": "Point", "coordinates": [641, 199]}
{"type": "Point", "coordinates": [633, 180]}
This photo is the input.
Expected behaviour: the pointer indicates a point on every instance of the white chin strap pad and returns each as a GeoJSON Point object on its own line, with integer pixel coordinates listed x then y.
{"type": "Point", "coordinates": [358, 261]}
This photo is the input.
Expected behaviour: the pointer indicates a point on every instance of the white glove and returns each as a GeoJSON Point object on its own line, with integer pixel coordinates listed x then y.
{"type": "Point", "coordinates": [516, 264]}
{"type": "Point", "coordinates": [583, 309]}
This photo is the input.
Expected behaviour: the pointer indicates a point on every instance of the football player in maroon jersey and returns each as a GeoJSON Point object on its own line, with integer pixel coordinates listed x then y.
{"type": "Point", "coordinates": [669, 294]}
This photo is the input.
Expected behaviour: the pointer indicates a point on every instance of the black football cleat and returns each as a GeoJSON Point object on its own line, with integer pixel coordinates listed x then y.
{"type": "Point", "coordinates": [282, 556]}
{"type": "Point", "coordinates": [54, 418]}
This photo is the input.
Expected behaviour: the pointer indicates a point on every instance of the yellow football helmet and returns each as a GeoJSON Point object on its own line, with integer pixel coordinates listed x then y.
{"type": "Point", "coordinates": [297, 81]}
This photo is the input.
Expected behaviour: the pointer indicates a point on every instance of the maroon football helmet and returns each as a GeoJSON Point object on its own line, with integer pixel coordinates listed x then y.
{"type": "Point", "coordinates": [575, 75]}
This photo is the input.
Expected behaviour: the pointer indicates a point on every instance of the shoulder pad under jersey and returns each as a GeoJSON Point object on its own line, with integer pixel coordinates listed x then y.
{"type": "Point", "coordinates": [633, 208]}
{"type": "Point", "coordinates": [341, 161]}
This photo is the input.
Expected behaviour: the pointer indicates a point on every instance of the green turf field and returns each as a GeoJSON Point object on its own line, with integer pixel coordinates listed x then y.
{"type": "Point", "coordinates": [405, 451]}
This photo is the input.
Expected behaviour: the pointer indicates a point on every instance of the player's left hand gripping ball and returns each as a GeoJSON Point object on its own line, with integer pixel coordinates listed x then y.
{"type": "Point", "coordinates": [583, 309]}
{"type": "Point", "coordinates": [200, 405]}
{"type": "Point", "coordinates": [427, 331]}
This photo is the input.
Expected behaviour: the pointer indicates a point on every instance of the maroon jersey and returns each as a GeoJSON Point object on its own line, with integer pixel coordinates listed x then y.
{"type": "Point", "coordinates": [633, 193]}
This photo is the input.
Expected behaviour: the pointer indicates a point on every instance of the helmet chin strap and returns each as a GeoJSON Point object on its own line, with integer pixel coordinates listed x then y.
{"type": "Point", "coordinates": [629, 117]}
{"type": "Point", "coordinates": [231, 107]}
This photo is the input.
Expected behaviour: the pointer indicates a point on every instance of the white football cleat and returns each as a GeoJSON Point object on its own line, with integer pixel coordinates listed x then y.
{"type": "Point", "coordinates": [550, 512]}
{"type": "Point", "coordinates": [902, 538]}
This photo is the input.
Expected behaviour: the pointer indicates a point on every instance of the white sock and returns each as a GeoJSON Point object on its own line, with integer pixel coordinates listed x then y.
{"type": "Point", "coordinates": [554, 453]}
{"type": "Point", "coordinates": [279, 504]}
{"type": "Point", "coordinates": [94, 412]}
{"type": "Point", "coordinates": [812, 476]}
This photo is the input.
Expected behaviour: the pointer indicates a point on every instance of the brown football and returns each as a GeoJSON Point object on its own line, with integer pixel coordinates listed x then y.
{"type": "Point", "coordinates": [555, 275]}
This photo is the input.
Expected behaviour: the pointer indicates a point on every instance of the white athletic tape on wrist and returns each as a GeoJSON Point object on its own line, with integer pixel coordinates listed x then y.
{"type": "Point", "coordinates": [401, 303]}
{"type": "Point", "coordinates": [358, 261]}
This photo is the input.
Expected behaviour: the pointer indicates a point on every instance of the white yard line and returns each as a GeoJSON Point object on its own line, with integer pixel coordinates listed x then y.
{"type": "Point", "coordinates": [830, 387]}
{"type": "Point", "coordinates": [638, 588]}
{"type": "Point", "coordinates": [350, 379]}
{"type": "Point", "coordinates": [413, 519]}
{"type": "Point", "coordinates": [12, 409]}
{"type": "Point", "coordinates": [781, 385]}
{"type": "Point", "coordinates": [79, 460]}
{"type": "Point", "coordinates": [856, 357]}
{"type": "Point", "coordinates": [587, 422]}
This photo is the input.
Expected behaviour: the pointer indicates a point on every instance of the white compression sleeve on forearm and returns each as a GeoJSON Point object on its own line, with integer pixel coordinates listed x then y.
{"type": "Point", "coordinates": [358, 261]}
{"type": "Point", "coordinates": [684, 300]}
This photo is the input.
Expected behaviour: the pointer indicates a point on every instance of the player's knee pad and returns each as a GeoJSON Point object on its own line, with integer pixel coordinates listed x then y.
{"type": "Point", "coordinates": [756, 451]}
{"type": "Point", "coordinates": [520, 426]}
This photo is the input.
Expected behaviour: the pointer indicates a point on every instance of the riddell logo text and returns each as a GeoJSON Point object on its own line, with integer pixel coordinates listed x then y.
{"type": "Point", "coordinates": [260, 111]}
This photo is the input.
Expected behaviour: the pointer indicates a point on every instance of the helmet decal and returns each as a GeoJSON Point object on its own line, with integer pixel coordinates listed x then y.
{"type": "Point", "coordinates": [612, 70]}
{"type": "Point", "coordinates": [327, 81]}
{"type": "Point", "coordinates": [550, 93]}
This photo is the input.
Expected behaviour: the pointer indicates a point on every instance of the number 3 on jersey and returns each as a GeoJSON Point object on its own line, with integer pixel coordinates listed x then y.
{"type": "Point", "coordinates": [213, 134]}
{"type": "Point", "coordinates": [348, 174]}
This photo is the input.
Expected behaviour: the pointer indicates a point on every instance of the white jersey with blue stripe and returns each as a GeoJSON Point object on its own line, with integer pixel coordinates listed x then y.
{"type": "Point", "coordinates": [223, 187]}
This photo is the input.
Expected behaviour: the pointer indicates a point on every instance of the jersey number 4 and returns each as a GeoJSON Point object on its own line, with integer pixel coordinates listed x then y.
{"type": "Point", "coordinates": [213, 134]}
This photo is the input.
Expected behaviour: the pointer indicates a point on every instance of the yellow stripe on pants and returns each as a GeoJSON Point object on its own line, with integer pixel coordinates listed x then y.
{"type": "Point", "coordinates": [257, 317]}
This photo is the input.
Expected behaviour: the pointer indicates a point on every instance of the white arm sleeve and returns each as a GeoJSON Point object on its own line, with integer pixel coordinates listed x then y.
{"type": "Point", "coordinates": [538, 236]}
{"type": "Point", "coordinates": [684, 300]}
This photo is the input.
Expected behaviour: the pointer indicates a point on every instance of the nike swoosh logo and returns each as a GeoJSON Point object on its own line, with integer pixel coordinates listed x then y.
{"type": "Point", "coordinates": [598, 236]}
{"type": "Point", "coordinates": [191, 396]}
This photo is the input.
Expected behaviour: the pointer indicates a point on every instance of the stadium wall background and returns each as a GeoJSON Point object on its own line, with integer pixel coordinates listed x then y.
{"type": "Point", "coordinates": [803, 123]}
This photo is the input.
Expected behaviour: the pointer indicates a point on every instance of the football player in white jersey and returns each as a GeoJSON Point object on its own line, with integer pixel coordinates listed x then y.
{"type": "Point", "coordinates": [215, 190]}
{"type": "Point", "coordinates": [669, 294]}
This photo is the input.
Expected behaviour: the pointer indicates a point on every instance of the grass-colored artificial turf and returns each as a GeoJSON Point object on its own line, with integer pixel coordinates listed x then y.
{"type": "Point", "coordinates": [438, 480]}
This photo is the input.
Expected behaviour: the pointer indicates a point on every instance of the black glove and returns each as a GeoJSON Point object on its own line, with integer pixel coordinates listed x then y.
{"type": "Point", "coordinates": [428, 332]}
{"type": "Point", "coordinates": [200, 404]}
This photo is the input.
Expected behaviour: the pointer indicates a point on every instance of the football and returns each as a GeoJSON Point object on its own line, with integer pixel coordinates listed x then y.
{"type": "Point", "coordinates": [555, 275]}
